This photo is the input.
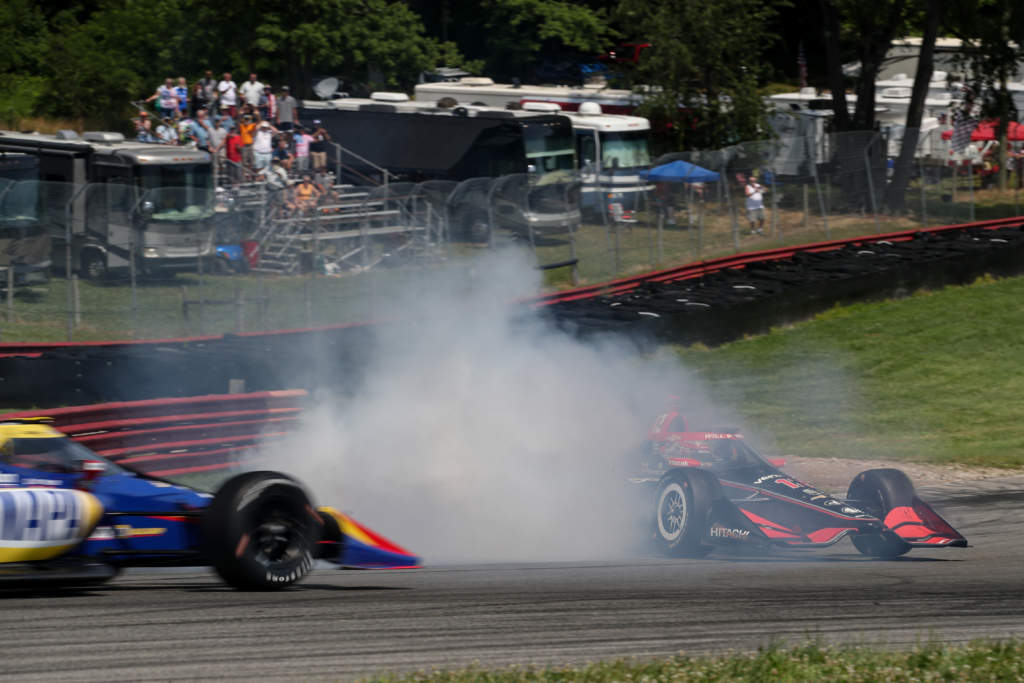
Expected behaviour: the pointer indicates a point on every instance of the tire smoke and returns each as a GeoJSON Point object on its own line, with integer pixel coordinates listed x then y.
{"type": "Point", "coordinates": [480, 432]}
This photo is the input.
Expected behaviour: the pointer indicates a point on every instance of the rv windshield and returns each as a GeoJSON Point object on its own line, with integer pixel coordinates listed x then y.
{"type": "Point", "coordinates": [549, 145]}
{"type": "Point", "coordinates": [175, 175]}
{"type": "Point", "coordinates": [624, 150]}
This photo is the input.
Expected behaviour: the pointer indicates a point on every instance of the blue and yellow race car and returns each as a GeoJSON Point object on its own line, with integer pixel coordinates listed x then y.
{"type": "Point", "coordinates": [69, 516]}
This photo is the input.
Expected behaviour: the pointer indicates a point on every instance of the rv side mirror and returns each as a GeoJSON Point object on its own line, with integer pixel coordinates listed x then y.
{"type": "Point", "coordinates": [147, 209]}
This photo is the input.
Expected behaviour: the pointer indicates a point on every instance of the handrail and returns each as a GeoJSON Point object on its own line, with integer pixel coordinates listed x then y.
{"type": "Point", "coordinates": [338, 150]}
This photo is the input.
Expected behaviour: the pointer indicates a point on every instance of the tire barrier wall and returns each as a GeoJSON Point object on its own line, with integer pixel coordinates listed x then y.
{"type": "Point", "coordinates": [717, 301]}
{"type": "Point", "coordinates": [710, 301]}
{"type": "Point", "coordinates": [174, 436]}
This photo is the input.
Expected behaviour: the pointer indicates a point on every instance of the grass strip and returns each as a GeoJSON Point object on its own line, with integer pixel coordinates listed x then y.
{"type": "Point", "coordinates": [934, 377]}
{"type": "Point", "coordinates": [976, 661]}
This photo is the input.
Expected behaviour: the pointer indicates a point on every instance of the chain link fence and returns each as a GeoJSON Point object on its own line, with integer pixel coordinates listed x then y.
{"type": "Point", "coordinates": [109, 261]}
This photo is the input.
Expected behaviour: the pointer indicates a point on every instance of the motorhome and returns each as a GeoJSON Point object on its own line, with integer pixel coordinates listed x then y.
{"type": "Point", "coordinates": [419, 141]}
{"type": "Point", "coordinates": [481, 91]}
{"type": "Point", "coordinates": [99, 199]}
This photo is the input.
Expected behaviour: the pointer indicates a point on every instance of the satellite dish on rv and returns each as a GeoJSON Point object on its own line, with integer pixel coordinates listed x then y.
{"type": "Point", "coordinates": [326, 88]}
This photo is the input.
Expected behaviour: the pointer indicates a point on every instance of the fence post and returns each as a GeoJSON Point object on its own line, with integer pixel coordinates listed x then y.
{"type": "Point", "coordinates": [970, 187]}
{"type": "Point", "coordinates": [77, 299]}
{"type": "Point", "coordinates": [239, 309]}
{"type": "Point", "coordinates": [871, 182]}
{"type": "Point", "coordinates": [775, 208]}
{"type": "Point", "coordinates": [10, 292]}
{"type": "Point", "coordinates": [308, 302]}
{"type": "Point", "coordinates": [924, 196]}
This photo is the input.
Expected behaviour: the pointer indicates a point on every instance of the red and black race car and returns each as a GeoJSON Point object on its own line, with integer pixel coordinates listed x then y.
{"type": "Point", "coordinates": [712, 489]}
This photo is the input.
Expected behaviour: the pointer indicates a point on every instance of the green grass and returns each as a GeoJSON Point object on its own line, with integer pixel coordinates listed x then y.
{"type": "Point", "coordinates": [936, 377]}
{"type": "Point", "coordinates": [977, 661]}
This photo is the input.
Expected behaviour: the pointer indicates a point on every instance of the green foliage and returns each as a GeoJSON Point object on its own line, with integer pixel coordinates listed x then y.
{"type": "Point", "coordinates": [705, 68]}
{"type": "Point", "coordinates": [19, 97]}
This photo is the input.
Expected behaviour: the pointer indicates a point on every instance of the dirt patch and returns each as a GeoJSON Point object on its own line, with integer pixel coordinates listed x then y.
{"type": "Point", "coordinates": [835, 474]}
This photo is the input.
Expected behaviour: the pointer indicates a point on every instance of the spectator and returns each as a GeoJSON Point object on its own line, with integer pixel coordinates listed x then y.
{"type": "Point", "coordinates": [198, 101]}
{"type": "Point", "coordinates": [145, 133]}
{"type": "Point", "coordinates": [754, 205]}
{"type": "Point", "coordinates": [283, 154]}
{"type": "Point", "coordinates": [318, 147]}
{"type": "Point", "coordinates": [233, 151]}
{"type": "Point", "coordinates": [302, 142]}
{"type": "Point", "coordinates": [263, 145]}
{"type": "Point", "coordinates": [209, 84]}
{"type": "Point", "coordinates": [306, 194]}
{"type": "Point", "coordinates": [181, 91]}
{"type": "Point", "coordinates": [218, 136]}
{"type": "Point", "coordinates": [167, 100]}
{"type": "Point", "coordinates": [166, 133]}
{"type": "Point", "coordinates": [287, 110]}
{"type": "Point", "coordinates": [269, 110]}
{"type": "Point", "coordinates": [277, 177]}
{"type": "Point", "coordinates": [246, 129]}
{"type": "Point", "coordinates": [252, 91]}
{"type": "Point", "coordinates": [201, 131]}
{"type": "Point", "coordinates": [227, 92]}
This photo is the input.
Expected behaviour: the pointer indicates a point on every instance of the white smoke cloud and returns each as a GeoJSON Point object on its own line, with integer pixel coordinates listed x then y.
{"type": "Point", "coordinates": [478, 435]}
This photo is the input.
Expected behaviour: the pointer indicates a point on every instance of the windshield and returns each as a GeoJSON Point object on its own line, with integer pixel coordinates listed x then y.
{"type": "Point", "coordinates": [549, 146]}
{"type": "Point", "coordinates": [58, 455]}
{"type": "Point", "coordinates": [175, 175]}
{"type": "Point", "coordinates": [720, 455]}
{"type": "Point", "coordinates": [624, 150]}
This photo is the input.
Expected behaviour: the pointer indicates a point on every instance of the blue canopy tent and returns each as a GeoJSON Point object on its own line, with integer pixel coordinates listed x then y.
{"type": "Point", "coordinates": [680, 172]}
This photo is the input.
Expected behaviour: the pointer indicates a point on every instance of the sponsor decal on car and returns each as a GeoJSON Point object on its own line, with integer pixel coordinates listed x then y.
{"type": "Point", "coordinates": [767, 477]}
{"type": "Point", "coordinates": [718, 531]}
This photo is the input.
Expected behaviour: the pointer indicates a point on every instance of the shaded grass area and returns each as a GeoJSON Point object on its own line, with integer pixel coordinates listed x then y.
{"type": "Point", "coordinates": [935, 377]}
{"type": "Point", "coordinates": [977, 661]}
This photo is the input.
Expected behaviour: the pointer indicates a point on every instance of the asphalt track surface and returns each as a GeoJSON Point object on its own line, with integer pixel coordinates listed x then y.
{"type": "Point", "coordinates": [183, 625]}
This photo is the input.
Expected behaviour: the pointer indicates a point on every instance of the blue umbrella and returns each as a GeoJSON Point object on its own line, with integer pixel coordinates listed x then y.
{"type": "Point", "coordinates": [680, 172]}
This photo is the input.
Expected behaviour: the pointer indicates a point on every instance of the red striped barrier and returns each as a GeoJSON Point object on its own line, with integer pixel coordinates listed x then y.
{"type": "Point", "coordinates": [165, 437]}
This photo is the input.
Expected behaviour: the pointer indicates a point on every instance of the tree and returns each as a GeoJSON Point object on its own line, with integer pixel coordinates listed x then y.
{"type": "Point", "coordinates": [896, 192]}
{"type": "Point", "coordinates": [512, 37]}
{"type": "Point", "coordinates": [705, 67]}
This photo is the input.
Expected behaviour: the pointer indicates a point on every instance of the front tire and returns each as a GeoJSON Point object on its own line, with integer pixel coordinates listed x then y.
{"type": "Point", "coordinates": [881, 490]}
{"type": "Point", "coordinates": [260, 531]}
{"type": "Point", "coordinates": [680, 514]}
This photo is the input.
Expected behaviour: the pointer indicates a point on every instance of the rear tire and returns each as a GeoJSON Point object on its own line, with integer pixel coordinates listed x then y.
{"type": "Point", "coordinates": [94, 265]}
{"type": "Point", "coordinates": [680, 514]}
{"type": "Point", "coordinates": [882, 490]}
{"type": "Point", "coordinates": [260, 531]}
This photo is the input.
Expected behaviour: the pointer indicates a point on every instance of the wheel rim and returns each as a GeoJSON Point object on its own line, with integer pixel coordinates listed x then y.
{"type": "Point", "coordinates": [93, 268]}
{"type": "Point", "coordinates": [277, 540]}
{"type": "Point", "coordinates": [672, 512]}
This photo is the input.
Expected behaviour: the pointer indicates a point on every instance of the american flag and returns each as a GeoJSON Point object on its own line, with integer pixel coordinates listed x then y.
{"type": "Point", "coordinates": [801, 64]}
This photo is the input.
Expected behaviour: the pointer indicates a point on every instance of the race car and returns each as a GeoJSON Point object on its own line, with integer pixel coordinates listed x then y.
{"type": "Point", "coordinates": [68, 515]}
{"type": "Point", "coordinates": [711, 489]}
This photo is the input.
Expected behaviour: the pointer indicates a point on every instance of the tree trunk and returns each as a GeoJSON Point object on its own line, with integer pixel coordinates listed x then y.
{"type": "Point", "coordinates": [896, 192]}
{"type": "Point", "coordinates": [833, 63]}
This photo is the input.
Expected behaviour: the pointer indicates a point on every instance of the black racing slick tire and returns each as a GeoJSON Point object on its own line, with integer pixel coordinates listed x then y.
{"type": "Point", "coordinates": [681, 506]}
{"type": "Point", "coordinates": [880, 491]}
{"type": "Point", "coordinates": [260, 532]}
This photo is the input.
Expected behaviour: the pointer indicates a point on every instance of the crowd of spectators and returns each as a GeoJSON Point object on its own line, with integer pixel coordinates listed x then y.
{"type": "Point", "coordinates": [259, 132]}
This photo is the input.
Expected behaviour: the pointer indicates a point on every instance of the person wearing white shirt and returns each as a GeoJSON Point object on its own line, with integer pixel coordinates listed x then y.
{"type": "Point", "coordinates": [252, 91]}
{"type": "Point", "coordinates": [754, 205]}
{"type": "Point", "coordinates": [227, 90]}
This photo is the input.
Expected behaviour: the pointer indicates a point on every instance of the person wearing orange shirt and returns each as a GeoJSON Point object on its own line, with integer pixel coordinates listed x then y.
{"type": "Point", "coordinates": [246, 129]}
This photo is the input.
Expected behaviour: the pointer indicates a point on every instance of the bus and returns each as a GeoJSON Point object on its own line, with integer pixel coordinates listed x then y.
{"type": "Point", "coordinates": [99, 199]}
{"type": "Point", "coordinates": [420, 141]}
